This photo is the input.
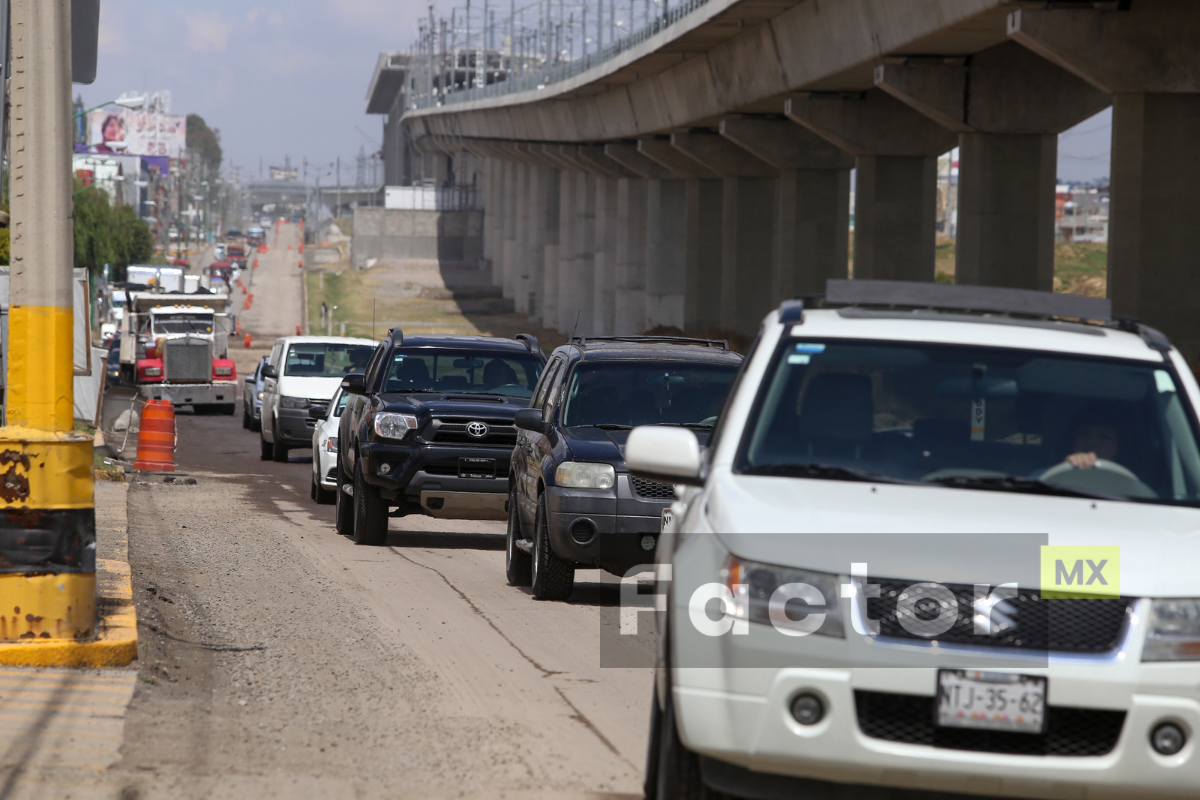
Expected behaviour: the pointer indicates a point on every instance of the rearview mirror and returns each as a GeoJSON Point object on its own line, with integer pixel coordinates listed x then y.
{"type": "Point", "coordinates": [664, 454]}
{"type": "Point", "coordinates": [530, 419]}
{"type": "Point", "coordinates": [269, 372]}
{"type": "Point", "coordinates": [355, 383]}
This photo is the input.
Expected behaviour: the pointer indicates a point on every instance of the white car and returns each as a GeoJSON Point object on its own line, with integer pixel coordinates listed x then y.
{"type": "Point", "coordinates": [944, 538]}
{"type": "Point", "coordinates": [303, 372]}
{"type": "Point", "coordinates": [325, 448]}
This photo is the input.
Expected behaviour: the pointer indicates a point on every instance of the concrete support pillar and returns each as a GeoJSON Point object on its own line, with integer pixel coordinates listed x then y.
{"type": "Point", "coordinates": [508, 253]}
{"type": "Point", "coordinates": [1008, 106]}
{"type": "Point", "coordinates": [490, 208]}
{"type": "Point", "coordinates": [666, 226]}
{"type": "Point", "coordinates": [546, 287]}
{"type": "Point", "coordinates": [812, 240]}
{"type": "Point", "coordinates": [524, 240]}
{"type": "Point", "coordinates": [582, 280]}
{"type": "Point", "coordinates": [629, 316]}
{"type": "Point", "coordinates": [536, 246]}
{"type": "Point", "coordinates": [605, 288]}
{"type": "Point", "coordinates": [1148, 57]}
{"type": "Point", "coordinates": [747, 240]}
{"type": "Point", "coordinates": [568, 185]}
{"type": "Point", "coordinates": [895, 217]}
{"type": "Point", "coordinates": [703, 255]}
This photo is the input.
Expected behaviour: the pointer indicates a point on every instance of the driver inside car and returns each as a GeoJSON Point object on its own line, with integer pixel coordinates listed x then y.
{"type": "Point", "coordinates": [498, 373]}
{"type": "Point", "coordinates": [1097, 437]}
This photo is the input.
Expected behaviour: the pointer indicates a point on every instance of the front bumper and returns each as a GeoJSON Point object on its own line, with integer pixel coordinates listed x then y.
{"type": "Point", "coordinates": [606, 529]}
{"type": "Point", "coordinates": [192, 394]}
{"type": "Point", "coordinates": [419, 468]}
{"type": "Point", "coordinates": [294, 428]}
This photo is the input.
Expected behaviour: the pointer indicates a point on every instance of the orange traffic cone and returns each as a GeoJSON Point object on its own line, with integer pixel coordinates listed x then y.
{"type": "Point", "coordinates": [298, 331]}
{"type": "Point", "coordinates": [246, 305]}
{"type": "Point", "coordinates": [247, 341]}
{"type": "Point", "coordinates": [237, 328]}
{"type": "Point", "coordinates": [243, 290]}
{"type": "Point", "coordinates": [289, 247]}
{"type": "Point", "coordinates": [156, 437]}
{"type": "Point", "coordinates": [302, 247]}
{"type": "Point", "coordinates": [256, 261]}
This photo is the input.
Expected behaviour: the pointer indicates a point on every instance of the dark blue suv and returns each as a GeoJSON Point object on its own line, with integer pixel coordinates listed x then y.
{"type": "Point", "coordinates": [572, 503]}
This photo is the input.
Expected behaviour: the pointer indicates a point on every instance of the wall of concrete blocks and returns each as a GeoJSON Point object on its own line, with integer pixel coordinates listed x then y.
{"type": "Point", "coordinates": [710, 229]}
{"type": "Point", "coordinates": [448, 236]}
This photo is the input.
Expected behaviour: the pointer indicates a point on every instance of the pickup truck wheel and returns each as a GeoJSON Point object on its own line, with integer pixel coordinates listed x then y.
{"type": "Point", "coordinates": [343, 505]}
{"type": "Point", "coordinates": [245, 418]}
{"type": "Point", "coordinates": [553, 577]}
{"type": "Point", "coordinates": [517, 566]}
{"type": "Point", "coordinates": [281, 452]}
{"type": "Point", "coordinates": [255, 424]}
{"type": "Point", "coordinates": [370, 512]}
{"type": "Point", "coordinates": [229, 409]}
{"type": "Point", "coordinates": [678, 773]}
{"type": "Point", "coordinates": [267, 451]}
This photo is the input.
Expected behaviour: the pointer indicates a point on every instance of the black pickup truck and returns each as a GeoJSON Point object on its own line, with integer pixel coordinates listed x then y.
{"type": "Point", "coordinates": [429, 429]}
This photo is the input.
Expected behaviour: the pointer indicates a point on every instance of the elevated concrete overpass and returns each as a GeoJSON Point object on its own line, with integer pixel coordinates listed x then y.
{"type": "Point", "coordinates": [699, 173]}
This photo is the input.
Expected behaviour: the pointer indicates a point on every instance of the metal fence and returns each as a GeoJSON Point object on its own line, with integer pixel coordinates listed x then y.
{"type": "Point", "coordinates": [431, 198]}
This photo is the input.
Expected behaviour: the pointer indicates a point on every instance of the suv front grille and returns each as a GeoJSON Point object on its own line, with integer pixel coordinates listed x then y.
{"type": "Point", "coordinates": [501, 433]}
{"type": "Point", "coordinates": [910, 719]}
{"type": "Point", "coordinates": [651, 490]}
{"type": "Point", "coordinates": [1063, 626]}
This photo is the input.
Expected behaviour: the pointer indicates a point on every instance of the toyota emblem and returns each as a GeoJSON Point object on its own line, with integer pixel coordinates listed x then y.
{"type": "Point", "coordinates": [477, 429]}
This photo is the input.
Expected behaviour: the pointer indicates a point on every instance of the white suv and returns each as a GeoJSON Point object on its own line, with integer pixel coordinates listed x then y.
{"type": "Point", "coordinates": [945, 538]}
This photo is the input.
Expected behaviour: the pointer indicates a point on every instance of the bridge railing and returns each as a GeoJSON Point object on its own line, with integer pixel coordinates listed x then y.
{"type": "Point", "coordinates": [547, 76]}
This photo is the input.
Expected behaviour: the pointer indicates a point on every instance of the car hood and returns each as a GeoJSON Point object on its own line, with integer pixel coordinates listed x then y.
{"type": "Point", "coordinates": [457, 405]}
{"type": "Point", "coordinates": [1159, 544]}
{"type": "Point", "coordinates": [304, 386]}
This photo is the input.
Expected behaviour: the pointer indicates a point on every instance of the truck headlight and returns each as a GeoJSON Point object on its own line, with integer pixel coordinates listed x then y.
{"type": "Point", "coordinates": [394, 426]}
{"type": "Point", "coordinates": [223, 372]}
{"type": "Point", "coordinates": [152, 372]}
{"type": "Point", "coordinates": [1174, 631]}
{"type": "Point", "coordinates": [792, 600]}
{"type": "Point", "coordinates": [582, 475]}
{"type": "Point", "coordinates": [294, 402]}
{"type": "Point", "coordinates": [331, 444]}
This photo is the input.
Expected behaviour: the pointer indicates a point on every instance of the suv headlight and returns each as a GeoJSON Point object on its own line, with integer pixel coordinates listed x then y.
{"type": "Point", "coordinates": [581, 475]}
{"type": "Point", "coordinates": [331, 444]}
{"type": "Point", "coordinates": [293, 402]}
{"type": "Point", "coordinates": [1174, 631]}
{"type": "Point", "coordinates": [394, 426]}
{"type": "Point", "coordinates": [260, 395]}
{"type": "Point", "coordinates": [790, 599]}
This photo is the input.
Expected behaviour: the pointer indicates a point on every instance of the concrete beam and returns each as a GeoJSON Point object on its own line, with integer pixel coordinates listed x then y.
{"type": "Point", "coordinates": [1004, 89]}
{"type": "Point", "coordinates": [703, 255]}
{"type": "Point", "coordinates": [679, 165]}
{"type": "Point", "coordinates": [1154, 46]}
{"type": "Point", "coordinates": [782, 145]}
{"type": "Point", "coordinates": [595, 155]}
{"type": "Point", "coordinates": [871, 123]}
{"type": "Point", "coordinates": [628, 155]}
{"type": "Point", "coordinates": [721, 156]}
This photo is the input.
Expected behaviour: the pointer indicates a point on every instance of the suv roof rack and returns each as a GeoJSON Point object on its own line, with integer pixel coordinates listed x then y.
{"type": "Point", "coordinates": [531, 342]}
{"type": "Point", "coordinates": [582, 341]}
{"type": "Point", "coordinates": [967, 299]}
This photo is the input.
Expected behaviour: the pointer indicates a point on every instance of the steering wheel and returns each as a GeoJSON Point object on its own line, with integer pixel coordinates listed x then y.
{"type": "Point", "coordinates": [1106, 477]}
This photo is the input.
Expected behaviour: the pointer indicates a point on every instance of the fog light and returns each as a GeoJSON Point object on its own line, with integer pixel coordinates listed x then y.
{"type": "Point", "coordinates": [583, 531]}
{"type": "Point", "coordinates": [808, 709]}
{"type": "Point", "coordinates": [385, 469]}
{"type": "Point", "coordinates": [1167, 739]}
{"type": "Point", "coordinates": [647, 542]}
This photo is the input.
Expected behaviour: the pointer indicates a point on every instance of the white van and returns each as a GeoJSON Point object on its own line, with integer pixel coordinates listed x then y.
{"type": "Point", "coordinates": [304, 371]}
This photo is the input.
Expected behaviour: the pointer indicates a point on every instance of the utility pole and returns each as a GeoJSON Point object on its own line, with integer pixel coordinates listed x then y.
{"type": "Point", "coordinates": [49, 570]}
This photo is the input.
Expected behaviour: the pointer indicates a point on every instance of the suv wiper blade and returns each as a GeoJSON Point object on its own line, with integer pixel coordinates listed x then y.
{"type": "Point", "coordinates": [606, 426]}
{"type": "Point", "coordinates": [1016, 483]}
{"type": "Point", "coordinates": [703, 425]}
{"type": "Point", "coordinates": [826, 471]}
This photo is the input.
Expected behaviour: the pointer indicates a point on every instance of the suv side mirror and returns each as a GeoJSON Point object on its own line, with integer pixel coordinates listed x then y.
{"type": "Point", "coordinates": [664, 454]}
{"type": "Point", "coordinates": [355, 383]}
{"type": "Point", "coordinates": [269, 372]}
{"type": "Point", "coordinates": [530, 419]}
{"type": "Point", "coordinates": [317, 412]}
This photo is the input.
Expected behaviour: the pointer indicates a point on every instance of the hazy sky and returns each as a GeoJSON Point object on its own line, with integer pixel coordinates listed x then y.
{"type": "Point", "coordinates": [289, 77]}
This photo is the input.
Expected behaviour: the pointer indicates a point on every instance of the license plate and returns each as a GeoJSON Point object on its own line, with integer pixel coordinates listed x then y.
{"type": "Point", "coordinates": [667, 519]}
{"type": "Point", "coordinates": [991, 701]}
{"type": "Point", "coordinates": [477, 468]}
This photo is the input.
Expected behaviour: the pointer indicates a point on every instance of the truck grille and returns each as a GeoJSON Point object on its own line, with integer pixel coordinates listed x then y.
{"type": "Point", "coordinates": [187, 362]}
{"type": "Point", "coordinates": [453, 430]}
{"type": "Point", "coordinates": [1061, 626]}
{"type": "Point", "coordinates": [651, 490]}
{"type": "Point", "coordinates": [910, 719]}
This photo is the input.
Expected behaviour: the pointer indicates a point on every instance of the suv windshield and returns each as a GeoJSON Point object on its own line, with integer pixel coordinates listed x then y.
{"type": "Point", "coordinates": [976, 418]}
{"type": "Point", "coordinates": [326, 359]}
{"type": "Point", "coordinates": [183, 323]}
{"type": "Point", "coordinates": [472, 371]}
{"type": "Point", "coordinates": [632, 393]}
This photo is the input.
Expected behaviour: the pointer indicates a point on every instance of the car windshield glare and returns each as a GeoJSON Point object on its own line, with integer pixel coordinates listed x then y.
{"type": "Point", "coordinates": [632, 393]}
{"type": "Point", "coordinates": [462, 371]}
{"type": "Point", "coordinates": [326, 360]}
{"type": "Point", "coordinates": [976, 418]}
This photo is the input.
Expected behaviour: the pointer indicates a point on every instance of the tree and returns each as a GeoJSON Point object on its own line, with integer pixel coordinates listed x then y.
{"type": "Point", "coordinates": [204, 142]}
{"type": "Point", "coordinates": [105, 234]}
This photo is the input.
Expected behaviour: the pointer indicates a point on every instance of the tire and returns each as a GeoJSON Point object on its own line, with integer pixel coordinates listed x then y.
{"type": "Point", "coordinates": [245, 418]}
{"type": "Point", "coordinates": [678, 771]}
{"type": "Point", "coordinates": [312, 490]}
{"type": "Point", "coordinates": [370, 512]}
{"type": "Point", "coordinates": [281, 453]}
{"type": "Point", "coordinates": [344, 506]}
{"type": "Point", "coordinates": [518, 565]}
{"type": "Point", "coordinates": [267, 450]}
{"type": "Point", "coordinates": [255, 424]}
{"type": "Point", "coordinates": [229, 409]}
{"type": "Point", "coordinates": [323, 496]}
{"type": "Point", "coordinates": [553, 578]}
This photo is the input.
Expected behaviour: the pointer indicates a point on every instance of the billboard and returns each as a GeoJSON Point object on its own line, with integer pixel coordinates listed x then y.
{"type": "Point", "coordinates": [144, 134]}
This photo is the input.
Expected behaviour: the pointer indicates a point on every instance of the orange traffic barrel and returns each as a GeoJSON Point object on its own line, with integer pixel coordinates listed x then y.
{"type": "Point", "coordinates": [156, 437]}
{"type": "Point", "coordinates": [247, 342]}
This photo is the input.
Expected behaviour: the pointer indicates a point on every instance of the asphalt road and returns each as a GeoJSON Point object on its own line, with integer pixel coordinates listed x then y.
{"type": "Point", "coordinates": [280, 659]}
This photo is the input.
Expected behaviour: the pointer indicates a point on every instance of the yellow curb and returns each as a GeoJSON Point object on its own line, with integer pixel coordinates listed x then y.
{"type": "Point", "coordinates": [116, 643]}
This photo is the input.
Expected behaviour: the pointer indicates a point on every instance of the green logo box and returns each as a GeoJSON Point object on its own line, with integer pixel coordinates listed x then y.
{"type": "Point", "coordinates": [1080, 572]}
